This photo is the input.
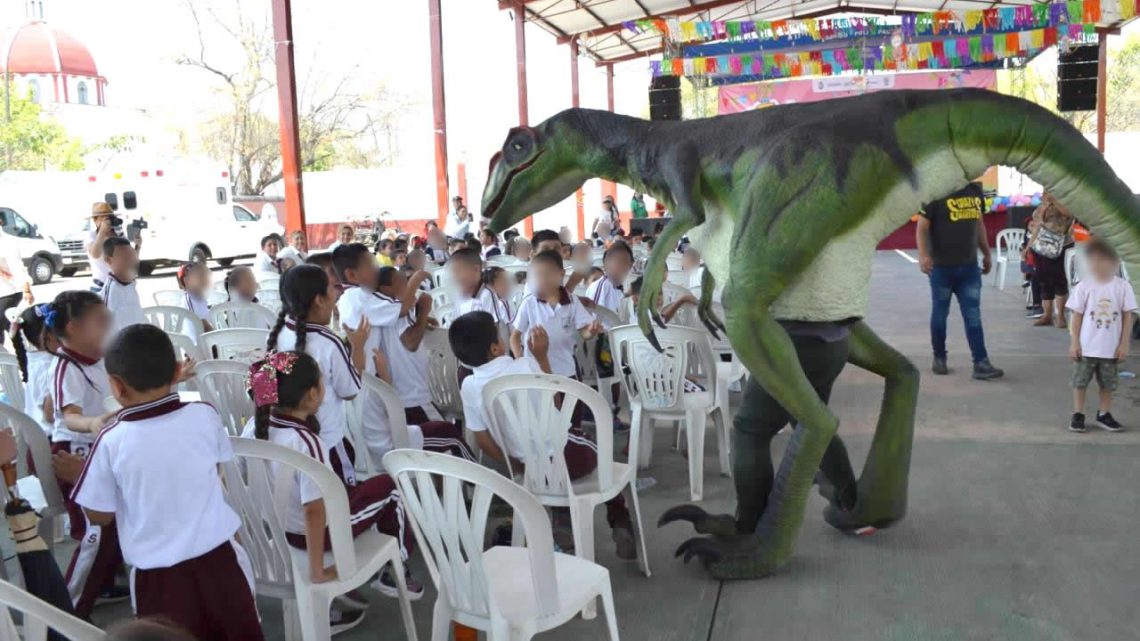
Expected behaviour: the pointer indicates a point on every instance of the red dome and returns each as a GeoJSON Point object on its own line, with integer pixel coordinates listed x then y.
{"type": "Point", "coordinates": [37, 47]}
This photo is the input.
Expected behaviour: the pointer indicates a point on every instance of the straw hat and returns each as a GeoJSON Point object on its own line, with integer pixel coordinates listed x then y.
{"type": "Point", "coordinates": [101, 209]}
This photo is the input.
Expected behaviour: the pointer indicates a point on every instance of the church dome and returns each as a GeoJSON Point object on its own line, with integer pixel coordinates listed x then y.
{"type": "Point", "coordinates": [36, 47]}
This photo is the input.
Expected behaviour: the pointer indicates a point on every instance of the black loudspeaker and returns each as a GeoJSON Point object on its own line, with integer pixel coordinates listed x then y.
{"type": "Point", "coordinates": [1077, 70]}
{"type": "Point", "coordinates": [665, 98]}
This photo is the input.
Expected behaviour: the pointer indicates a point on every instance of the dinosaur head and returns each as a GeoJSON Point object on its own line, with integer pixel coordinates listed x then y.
{"type": "Point", "coordinates": [536, 168]}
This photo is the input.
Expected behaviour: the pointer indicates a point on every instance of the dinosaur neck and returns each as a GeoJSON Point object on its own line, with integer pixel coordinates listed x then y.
{"type": "Point", "coordinates": [605, 141]}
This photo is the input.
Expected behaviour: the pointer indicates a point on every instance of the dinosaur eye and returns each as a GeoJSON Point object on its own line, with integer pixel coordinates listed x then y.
{"type": "Point", "coordinates": [519, 145]}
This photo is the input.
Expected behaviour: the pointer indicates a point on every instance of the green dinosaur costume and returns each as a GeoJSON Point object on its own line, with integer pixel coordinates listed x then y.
{"type": "Point", "coordinates": [798, 196]}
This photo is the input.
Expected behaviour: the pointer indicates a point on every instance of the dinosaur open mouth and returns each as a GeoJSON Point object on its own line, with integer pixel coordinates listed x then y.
{"type": "Point", "coordinates": [501, 194]}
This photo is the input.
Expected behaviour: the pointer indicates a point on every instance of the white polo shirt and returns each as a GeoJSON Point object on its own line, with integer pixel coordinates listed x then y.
{"type": "Point", "coordinates": [156, 468]}
{"type": "Point", "coordinates": [475, 413]}
{"type": "Point", "coordinates": [197, 306]}
{"type": "Point", "coordinates": [82, 382]}
{"type": "Point", "coordinates": [409, 369]}
{"type": "Point", "coordinates": [123, 301]}
{"type": "Point", "coordinates": [295, 435]}
{"type": "Point", "coordinates": [605, 293]}
{"type": "Point", "coordinates": [356, 303]}
{"type": "Point", "coordinates": [562, 323]}
{"type": "Point", "coordinates": [342, 383]}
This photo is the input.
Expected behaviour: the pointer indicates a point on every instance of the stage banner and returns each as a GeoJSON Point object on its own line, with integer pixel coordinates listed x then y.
{"type": "Point", "coordinates": [758, 95]}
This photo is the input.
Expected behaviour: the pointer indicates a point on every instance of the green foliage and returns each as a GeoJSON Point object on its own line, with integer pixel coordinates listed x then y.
{"type": "Point", "coordinates": [32, 140]}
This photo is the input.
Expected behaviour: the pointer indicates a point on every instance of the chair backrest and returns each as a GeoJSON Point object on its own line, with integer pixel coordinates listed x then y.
{"type": "Point", "coordinates": [172, 319]}
{"type": "Point", "coordinates": [10, 382]}
{"type": "Point", "coordinates": [32, 439]}
{"type": "Point", "coordinates": [169, 297]}
{"type": "Point", "coordinates": [443, 373]}
{"type": "Point", "coordinates": [269, 287]}
{"type": "Point", "coordinates": [222, 384]}
{"type": "Point", "coordinates": [1009, 241]}
{"type": "Point", "coordinates": [216, 298]}
{"type": "Point", "coordinates": [608, 317]}
{"type": "Point", "coordinates": [440, 296]}
{"type": "Point", "coordinates": [235, 315]}
{"type": "Point", "coordinates": [246, 345]}
{"type": "Point", "coordinates": [39, 616]}
{"type": "Point", "coordinates": [656, 379]}
{"type": "Point", "coordinates": [523, 409]}
{"type": "Point", "coordinates": [450, 535]}
{"type": "Point", "coordinates": [584, 351]}
{"type": "Point", "coordinates": [374, 390]}
{"type": "Point", "coordinates": [502, 260]}
{"type": "Point", "coordinates": [259, 484]}
{"type": "Point", "coordinates": [185, 346]}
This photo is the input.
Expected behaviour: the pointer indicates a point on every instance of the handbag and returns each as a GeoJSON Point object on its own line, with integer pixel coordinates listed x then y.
{"type": "Point", "coordinates": [1050, 244]}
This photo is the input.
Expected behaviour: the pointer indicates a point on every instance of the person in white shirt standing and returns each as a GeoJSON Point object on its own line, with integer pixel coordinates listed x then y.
{"type": "Point", "coordinates": [104, 224]}
{"type": "Point", "coordinates": [15, 285]}
{"type": "Point", "coordinates": [1103, 305]}
{"type": "Point", "coordinates": [154, 472]}
{"type": "Point", "coordinates": [120, 294]}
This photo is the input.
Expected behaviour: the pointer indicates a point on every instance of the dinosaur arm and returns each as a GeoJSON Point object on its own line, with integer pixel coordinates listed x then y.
{"type": "Point", "coordinates": [681, 171]}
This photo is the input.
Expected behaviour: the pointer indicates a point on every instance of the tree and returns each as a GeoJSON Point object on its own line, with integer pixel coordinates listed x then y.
{"type": "Point", "coordinates": [338, 126]}
{"type": "Point", "coordinates": [32, 140]}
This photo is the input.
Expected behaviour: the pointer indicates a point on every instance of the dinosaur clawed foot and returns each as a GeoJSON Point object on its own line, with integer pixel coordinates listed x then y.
{"type": "Point", "coordinates": [707, 549]}
{"type": "Point", "coordinates": [846, 513]}
{"type": "Point", "coordinates": [742, 556]}
{"type": "Point", "coordinates": [711, 321]}
{"type": "Point", "coordinates": [703, 522]}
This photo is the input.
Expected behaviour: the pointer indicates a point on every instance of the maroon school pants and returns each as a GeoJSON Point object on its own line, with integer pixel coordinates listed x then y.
{"type": "Point", "coordinates": [208, 595]}
{"type": "Point", "coordinates": [371, 503]}
{"type": "Point", "coordinates": [445, 438]}
{"type": "Point", "coordinates": [98, 557]}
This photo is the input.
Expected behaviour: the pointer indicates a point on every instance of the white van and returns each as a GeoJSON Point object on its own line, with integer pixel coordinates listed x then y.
{"type": "Point", "coordinates": [40, 253]}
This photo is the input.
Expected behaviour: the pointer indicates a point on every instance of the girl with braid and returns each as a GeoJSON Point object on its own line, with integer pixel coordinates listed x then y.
{"type": "Point", "coordinates": [308, 299]}
{"type": "Point", "coordinates": [35, 351]}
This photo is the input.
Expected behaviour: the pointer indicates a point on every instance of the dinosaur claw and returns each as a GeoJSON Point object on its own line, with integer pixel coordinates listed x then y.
{"type": "Point", "coordinates": [699, 547]}
{"type": "Point", "coordinates": [690, 513]}
{"type": "Point", "coordinates": [660, 321]}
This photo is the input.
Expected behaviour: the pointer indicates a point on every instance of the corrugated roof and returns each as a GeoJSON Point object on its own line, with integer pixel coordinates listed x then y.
{"type": "Point", "coordinates": [597, 24]}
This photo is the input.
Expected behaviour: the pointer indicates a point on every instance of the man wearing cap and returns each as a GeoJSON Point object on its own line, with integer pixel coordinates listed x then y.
{"type": "Point", "coordinates": [103, 226]}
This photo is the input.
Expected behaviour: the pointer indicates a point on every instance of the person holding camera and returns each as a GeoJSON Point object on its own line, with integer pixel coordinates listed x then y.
{"type": "Point", "coordinates": [104, 224]}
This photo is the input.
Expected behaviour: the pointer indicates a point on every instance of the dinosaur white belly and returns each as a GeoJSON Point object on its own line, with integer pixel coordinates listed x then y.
{"type": "Point", "coordinates": [714, 240]}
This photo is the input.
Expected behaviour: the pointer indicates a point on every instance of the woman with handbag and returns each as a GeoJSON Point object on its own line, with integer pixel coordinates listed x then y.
{"type": "Point", "coordinates": [1052, 237]}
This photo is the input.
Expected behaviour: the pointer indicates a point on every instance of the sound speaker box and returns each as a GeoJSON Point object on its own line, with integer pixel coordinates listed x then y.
{"type": "Point", "coordinates": [665, 98]}
{"type": "Point", "coordinates": [1077, 71]}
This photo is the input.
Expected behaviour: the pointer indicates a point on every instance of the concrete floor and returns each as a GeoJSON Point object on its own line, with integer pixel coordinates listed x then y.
{"type": "Point", "coordinates": [1017, 529]}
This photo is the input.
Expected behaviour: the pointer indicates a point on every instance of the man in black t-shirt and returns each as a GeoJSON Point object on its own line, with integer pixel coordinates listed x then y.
{"type": "Point", "coordinates": [950, 234]}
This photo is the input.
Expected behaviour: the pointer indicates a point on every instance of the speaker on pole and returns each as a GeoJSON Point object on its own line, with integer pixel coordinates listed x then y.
{"type": "Point", "coordinates": [665, 98]}
{"type": "Point", "coordinates": [1077, 71]}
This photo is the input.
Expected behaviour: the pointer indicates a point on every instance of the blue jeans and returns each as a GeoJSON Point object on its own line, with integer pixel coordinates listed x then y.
{"type": "Point", "coordinates": [965, 282]}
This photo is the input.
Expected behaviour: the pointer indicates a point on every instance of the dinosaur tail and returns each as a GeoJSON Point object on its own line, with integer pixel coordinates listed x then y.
{"type": "Point", "coordinates": [984, 128]}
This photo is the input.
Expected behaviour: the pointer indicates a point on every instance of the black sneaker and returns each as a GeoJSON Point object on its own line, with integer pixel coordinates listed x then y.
{"type": "Point", "coordinates": [1106, 421]}
{"type": "Point", "coordinates": [1077, 424]}
{"type": "Point", "coordinates": [983, 371]}
{"type": "Point", "coordinates": [344, 621]}
{"type": "Point", "coordinates": [939, 366]}
{"type": "Point", "coordinates": [386, 585]}
{"type": "Point", "coordinates": [114, 594]}
{"type": "Point", "coordinates": [1035, 312]}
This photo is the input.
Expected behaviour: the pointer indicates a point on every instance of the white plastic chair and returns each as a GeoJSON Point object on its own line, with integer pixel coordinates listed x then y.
{"type": "Point", "coordinates": [443, 375]}
{"type": "Point", "coordinates": [174, 320]}
{"type": "Point", "coordinates": [374, 390]}
{"type": "Point", "coordinates": [270, 299]}
{"type": "Point", "coordinates": [523, 406]}
{"type": "Point", "coordinates": [245, 345]}
{"type": "Point", "coordinates": [1008, 250]}
{"type": "Point", "coordinates": [270, 286]}
{"type": "Point", "coordinates": [502, 260]}
{"type": "Point", "coordinates": [31, 439]}
{"type": "Point", "coordinates": [281, 571]}
{"type": "Point", "coordinates": [169, 297]}
{"type": "Point", "coordinates": [655, 384]}
{"type": "Point", "coordinates": [222, 384]}
{"type": "Point", "coordinates": [10, 380]}
{"type": "Point", "coordinates": [183, 343]}
{"type": "Point", "coordinates": [511, 593]}
{"type": "Point", "coordinates": [234, 315]}
{"type": "Point", "coordinates": [440, 297]}
{"type": "Point", "coordinates": [38, 617]}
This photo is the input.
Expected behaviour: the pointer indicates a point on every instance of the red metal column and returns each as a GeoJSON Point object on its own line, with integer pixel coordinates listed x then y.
{"type": "Point", "coordinates": [439, 111]}
{"type": "Point", "coordinates": [287, 104]}
{"type": "Point", "coordinates": [610, 188]}
{"type": "Point", "coordinates": [520, 61]}
{"type": "Point", "coordinates": [461, 178]}
{"type": "Point", "coordinates": [579, 195]}
{"type": "Point", "coordinates": [1102, 90]}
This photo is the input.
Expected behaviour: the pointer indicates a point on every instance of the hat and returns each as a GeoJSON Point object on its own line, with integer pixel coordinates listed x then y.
{"type": "Point", "coordinates": [101, 209]}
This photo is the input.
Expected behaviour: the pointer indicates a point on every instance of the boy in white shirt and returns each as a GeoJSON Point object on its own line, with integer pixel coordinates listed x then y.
{"type": "Point", "coordinates": [1102, 307]}
{"type": "Point", "coordinates": [561, 315]}
{"type": "Point", "coordinates": [120, 294]}
{"type": "Point", "coordinates": [179, 539]}
{"type": "Point", "coordinates": [475, 341]}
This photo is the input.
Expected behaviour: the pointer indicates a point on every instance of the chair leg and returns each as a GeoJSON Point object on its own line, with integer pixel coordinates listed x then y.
{"type": "Point", "coordinates": [441, 620]}
{"type": "Point", "coordinates": [639, 531]}
{"type": "Point", "coordinates": [607, 595]}
{"type": "Point", "coordinates": [405, 603]}
{"type": "Point", "coordinates": [723, 441]}
{"type": "Point", "coordinates": [695, 426]}
{"type": "Point", "coordinates": [582, 524]}
{"type": "Point", "coordinates": [290, 619]}
{"type": "Point", "coordinates": [313, 612]}
{"type": "Point", "coordinates": [645, 425]}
